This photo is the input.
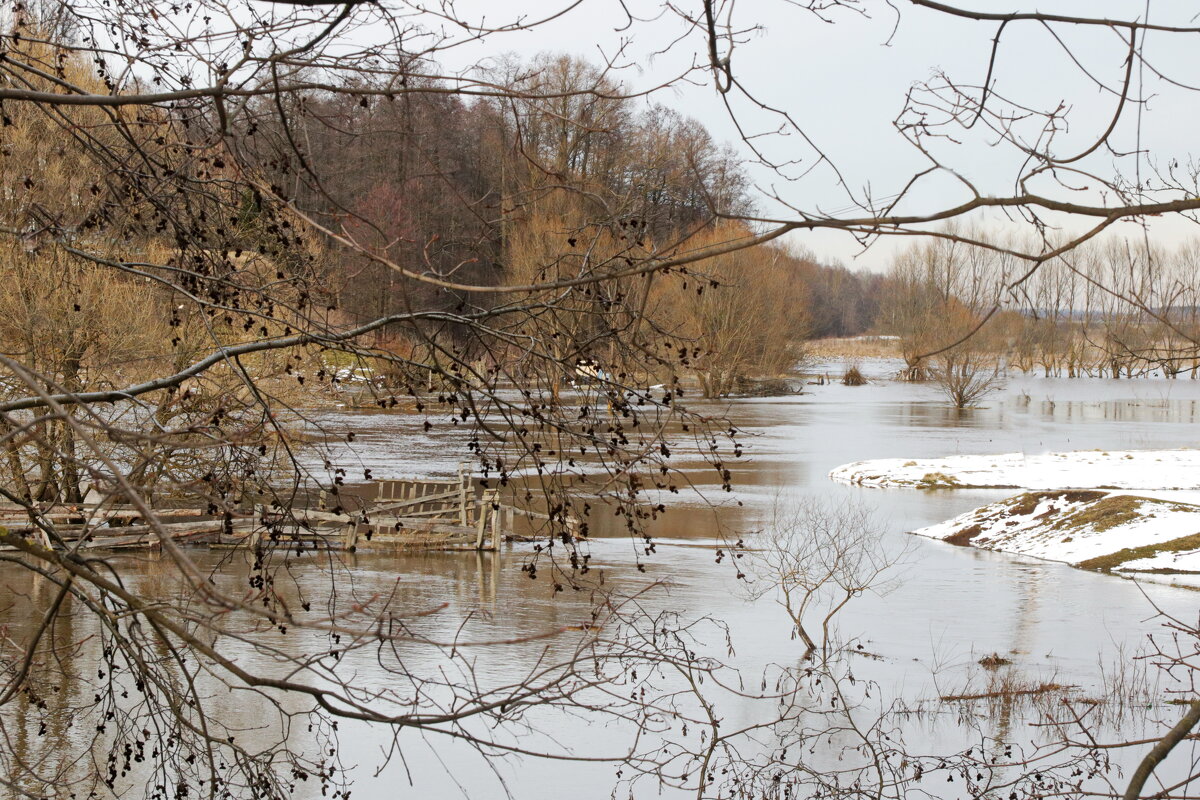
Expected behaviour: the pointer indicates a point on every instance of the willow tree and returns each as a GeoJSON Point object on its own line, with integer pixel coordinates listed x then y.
{"type": "Point", "coordinates": [738, 316]}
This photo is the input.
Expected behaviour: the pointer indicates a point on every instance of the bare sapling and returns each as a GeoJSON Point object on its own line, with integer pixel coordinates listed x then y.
{"type": "Point", "coordinates": [965, 375]}
{"type": "Point", "coordinates": [816, 556]}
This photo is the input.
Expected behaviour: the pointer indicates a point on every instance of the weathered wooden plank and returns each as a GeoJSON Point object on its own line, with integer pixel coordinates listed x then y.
{"type": "Point", "coordinates": [148, 541]}
{"type": "Point", "coordinates": [443, 498]}
{"type": "Point", "coordinates": [101, 514]}
{"type": "Point", "coordinates": [431, 514]}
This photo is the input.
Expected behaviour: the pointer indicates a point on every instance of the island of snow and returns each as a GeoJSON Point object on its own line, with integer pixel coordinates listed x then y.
{"type": "Point", "coordinates": [1136, 469]}
{"type": "Point", "coordinates": [1090, 529]}
{"type": "Point", "coordinates": [1077, 508]}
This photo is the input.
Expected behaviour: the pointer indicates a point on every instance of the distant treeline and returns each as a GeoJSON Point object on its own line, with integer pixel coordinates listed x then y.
{"type": "Point", "coordinates": [450, 186]}
{"type": "Point", "coordinates": [350, 208]}
{"type": "Point", "coordinates": [841, 302]}
{"type": "Point", "coordinates": [1110, 308]}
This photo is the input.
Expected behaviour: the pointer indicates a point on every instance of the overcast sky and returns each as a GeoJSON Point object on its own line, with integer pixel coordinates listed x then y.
{"type": "Point", "coordinates": [844, 83]}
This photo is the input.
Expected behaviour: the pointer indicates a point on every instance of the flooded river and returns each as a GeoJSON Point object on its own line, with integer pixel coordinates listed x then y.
{"type": "Point", "coordinates": [943, 608]}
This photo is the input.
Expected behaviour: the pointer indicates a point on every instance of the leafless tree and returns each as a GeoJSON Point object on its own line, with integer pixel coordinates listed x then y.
{"type": "Point", "coordinates": [966, 375]}
{"type": "Point", "coordinates": [814, 558]}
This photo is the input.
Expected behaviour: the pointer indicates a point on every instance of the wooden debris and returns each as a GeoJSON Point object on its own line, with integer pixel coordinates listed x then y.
{"type": "Point", "coordinates": [421, 514]}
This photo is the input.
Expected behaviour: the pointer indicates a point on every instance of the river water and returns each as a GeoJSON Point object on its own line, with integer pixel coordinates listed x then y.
{"type": "Point", "coordinates": [942, 609]}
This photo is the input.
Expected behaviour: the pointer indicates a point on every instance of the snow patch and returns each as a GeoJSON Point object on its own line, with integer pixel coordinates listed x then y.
{"type": "Point", "coordinates": [1116, 469]}
{"type": "Point", "coordinates": [1102, 530]}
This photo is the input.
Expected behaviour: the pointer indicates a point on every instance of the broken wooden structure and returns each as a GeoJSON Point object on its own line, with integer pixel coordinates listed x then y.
{"type": "Point", "coordinates": [88, 526]}
{"type": "Point", "coordinates": [429, 514]}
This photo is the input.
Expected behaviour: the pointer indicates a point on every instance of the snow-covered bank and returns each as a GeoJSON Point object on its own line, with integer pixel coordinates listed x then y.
{"type": "Point", "coordinates": [1086, 528]}
{"type": "Point", "coordinates": [1080, 511]}
{"type": "Point", "coordinates": [1133, 469]}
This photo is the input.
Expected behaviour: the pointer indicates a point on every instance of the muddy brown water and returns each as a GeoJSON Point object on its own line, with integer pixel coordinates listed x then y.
{"type": "Point", "coordinates": [948, 607]}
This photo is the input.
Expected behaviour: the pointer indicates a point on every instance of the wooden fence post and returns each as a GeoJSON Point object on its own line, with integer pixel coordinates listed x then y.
{"type": "Point", "coordinates": [463, 483]}
{"type": "Point", "coordinates": [497, 516]}
{"type": "Point", "coordinates": [350, 541]}
{"type": "Point", "coordinates": [256, 527]}
{"type": "Point", "coordinates": [481, 522]}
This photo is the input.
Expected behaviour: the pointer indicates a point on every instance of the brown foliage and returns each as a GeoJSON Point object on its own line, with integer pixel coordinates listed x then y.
{"type": "Point", "coordinates": [740, 315]}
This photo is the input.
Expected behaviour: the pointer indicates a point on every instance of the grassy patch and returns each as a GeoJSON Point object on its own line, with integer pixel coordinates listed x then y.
{"type": "Point", "coordinates": [963, 537]}
{"type": "Point", "coordinates": [938, 480]}
{"type": "Point", "coordinates": [994, 661]}
{"type": "Point", "coordinates": [1114, 560]}
{"type": "Point", "coordinates": [1017, 691]}
{"type": "Point", "coordinates": [853, 377]}
{"type": "Point", "coordinates": [1080, 495]}
{"type": "Point", "coordinates": [1164, 571]}
{"type": "Point", "coordinates": [1023, 505]}
{"type": "Point", "coordinates": [340, 359]}
{"type": "Point", "coordinates": [1102, 515]}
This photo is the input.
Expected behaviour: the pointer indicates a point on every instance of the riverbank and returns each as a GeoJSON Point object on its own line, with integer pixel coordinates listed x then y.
{"type": "Point", "coordinates": [1080, 511]}
{"type": "Point", "coordinates": [1157, 470]}
{"type": "Point", "coordinates": [1103, 531]}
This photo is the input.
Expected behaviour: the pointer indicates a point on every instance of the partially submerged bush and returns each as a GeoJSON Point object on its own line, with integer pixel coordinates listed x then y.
{"type": "Point", "coordinates": [815, 557]}
{"type": "Point", "coordinates": [994, 661]}
{"type": "Point", "coordinates": [853, 377]}
{"type": "Point", "coordinates": [966, 375]}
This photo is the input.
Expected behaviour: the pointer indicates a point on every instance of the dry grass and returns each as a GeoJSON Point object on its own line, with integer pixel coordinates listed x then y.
{"type": "Point", "coordinates": [994, 661]}
{"type": "Point", "coordinates": [1014, 690]}
{"type": "Point", "coordinates": [853, 377]}
{"type": "Point", "coordinates": [1000, 681]}
{"type": "Point", "coordinates": [938, 480]}
{"type": "Point", "coordinates": [1104, 514]}
{"type": "Point", "coordinates": [853, 348]}
{"type": "Point", "coordinates": [1025, 504]}
{"type": "Point", "coordinates": [1112, 561]}
{"type": "Point", "coordinates": [964, 537]}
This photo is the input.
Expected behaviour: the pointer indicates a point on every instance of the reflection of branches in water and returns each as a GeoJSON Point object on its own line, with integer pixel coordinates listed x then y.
{"type": "Point", "coordinates": [160, 713]}
{"type": "Point", "coordinates": [836, 735]}
{"type": "Point", "coordinates": [659, 678]}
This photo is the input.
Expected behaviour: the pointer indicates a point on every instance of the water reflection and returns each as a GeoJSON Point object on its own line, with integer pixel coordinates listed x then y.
{"type": "Point", "coordinates": [953, 605]}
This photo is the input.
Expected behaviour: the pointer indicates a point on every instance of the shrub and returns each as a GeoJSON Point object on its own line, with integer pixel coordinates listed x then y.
{"type": "Point", "coordinates": [853, 377]}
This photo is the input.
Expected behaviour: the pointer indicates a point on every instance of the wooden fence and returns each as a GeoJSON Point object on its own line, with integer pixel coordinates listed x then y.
{"type": "Point", "coordinates": [411, 513]}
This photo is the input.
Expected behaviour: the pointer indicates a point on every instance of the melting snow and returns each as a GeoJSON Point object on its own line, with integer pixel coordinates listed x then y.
{"type": "Point", "coordinates": [1080, 527]}
{"type": "Point", "coordinates": [1115, 469]}
{"type": "Point", "coordinates": [1079, 511]}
